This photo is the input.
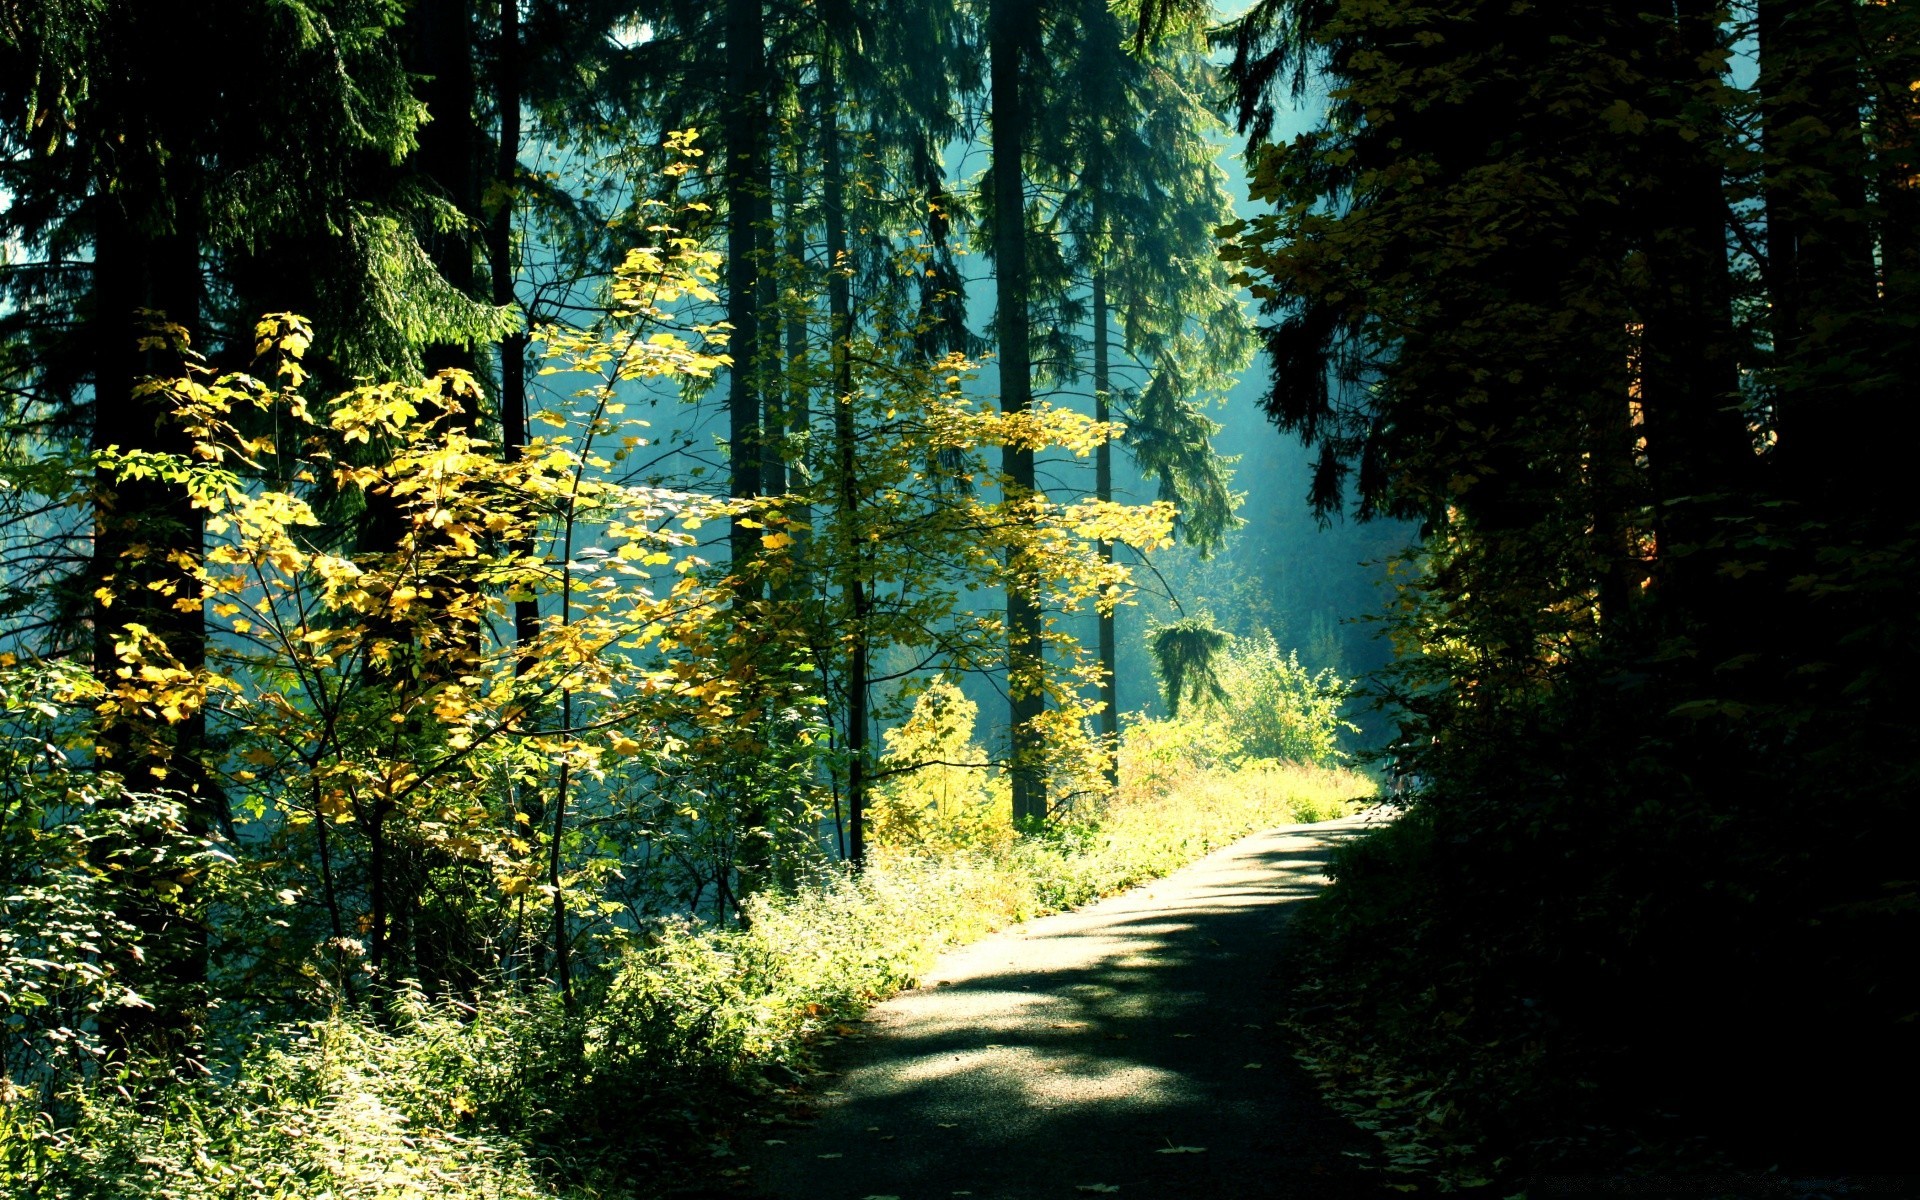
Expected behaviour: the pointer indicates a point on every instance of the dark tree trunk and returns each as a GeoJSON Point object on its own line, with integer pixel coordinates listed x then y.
{"type": "Point", "coordinates": [140, 526]}
{"type": "Point", "coordinates": [147, 298]}
{"type": "Point", "coordinates": [745, 139]}
{"type": "Point", "coordinates": [853, 581]}
{"type": "Point", "coordinates": [1103, 490]}
{"type": "Point", "coordinates": [1700, 452]}
{"type": "Point", "coordinates": [1819, 247]}
{"type": "Point", "coordinates": [799, 413]}
{"type": "Point", "coordinates": [442, 53]}
{"type": "Point", "coordinates": [513, 347]}
{"type": "Point", "coordinates": [1008, 25]}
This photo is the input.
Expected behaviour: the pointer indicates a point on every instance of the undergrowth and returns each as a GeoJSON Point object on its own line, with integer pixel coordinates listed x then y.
{"type": "Point", "coordinates": [514, 1093]}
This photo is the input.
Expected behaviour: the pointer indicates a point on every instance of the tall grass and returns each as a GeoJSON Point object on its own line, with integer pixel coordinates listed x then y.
{"type": "Point", "coordinates": [517, 1096]}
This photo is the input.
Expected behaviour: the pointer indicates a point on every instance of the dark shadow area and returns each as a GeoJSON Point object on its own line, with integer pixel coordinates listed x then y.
{"type": "Point", "coordinates": [1131, 1045]}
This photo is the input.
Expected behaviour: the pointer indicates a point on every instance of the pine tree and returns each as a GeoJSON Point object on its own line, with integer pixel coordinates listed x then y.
{"type": "Point", "coordinates": [1013, 32]}
{"type": "Point", "coordinates": [174, 186]}
{"type": "Point", "coordinates": [1130, 138]}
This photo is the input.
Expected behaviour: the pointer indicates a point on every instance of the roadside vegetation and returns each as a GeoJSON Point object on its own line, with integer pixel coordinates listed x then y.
{"type": "Point", "coordinates": [671, 1044]}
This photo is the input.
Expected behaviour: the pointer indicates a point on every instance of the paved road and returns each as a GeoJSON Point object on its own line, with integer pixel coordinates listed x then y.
{"type": "Point", "coordinates": [1129, 1045]}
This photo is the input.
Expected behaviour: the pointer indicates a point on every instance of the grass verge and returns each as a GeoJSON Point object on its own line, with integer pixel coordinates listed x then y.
{"type": "Point", "coordinates": [636, 1086]}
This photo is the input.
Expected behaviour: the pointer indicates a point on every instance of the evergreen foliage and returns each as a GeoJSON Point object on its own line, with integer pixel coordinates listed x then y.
{"type": "Point", "coordinates": [1546, 278]}
{"type": "Point", "coordinates": [1183, 653]}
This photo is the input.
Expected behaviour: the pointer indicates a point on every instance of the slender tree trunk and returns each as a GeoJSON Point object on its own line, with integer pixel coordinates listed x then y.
{"type": "Point", "coordinates": [562, 942]}
{"type": "Point", "coordinates": [513, 347]}
{"type": "Point", "coordinates": [1008, 22]}
{"type": "Point", "coordinates": [744, 180]}
{"type": "Point", "coordinates": [853, 581]}
{"type": "Point", "coordinates": [1103, 490]}
{"type": "Point", "coordinates": [775, 322]}
{"type": "Point", "coordinates": [329, 894]}
{"type": "Point", "coordinates": [799, 415]}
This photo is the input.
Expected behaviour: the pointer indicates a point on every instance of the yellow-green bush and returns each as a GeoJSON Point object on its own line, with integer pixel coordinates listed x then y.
{"type": "Point", "coordinates": [516, 1096]}
{"type": "Point", "coordinates": [929, 797]}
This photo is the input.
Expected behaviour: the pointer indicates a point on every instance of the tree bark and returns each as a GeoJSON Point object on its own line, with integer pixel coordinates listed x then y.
{"type": "Point", "coordinates": [1699, 450]}
{"type": "Point", "coordinates": [853, 581]}
{"type": "Point", "coordinates": [1008, 24]}
{"type": "Point", "coordinates": [513, 347]}
{"type": "Point", "coordinates": [1103, 490]}
{"type": "Point", "coordinates": [744, 180]}
{"type": "Point", "coordinates": [148, 536]}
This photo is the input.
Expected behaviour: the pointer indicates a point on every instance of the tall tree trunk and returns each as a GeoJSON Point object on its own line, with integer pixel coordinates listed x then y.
{"type": "Point", "coordinates": [799, 414]}
{"type": "Point", "coordinates": [1008, 22]}
{"type": "Point", "coordinates": [513, 347]}
{"type": "Point", "coordinates": [439, 51]}
{"type": "Point", "coordinates": [1699, 450]}
{"type": "Point", "coordinates": [853, 576]}
{"type": "Point", "coordinates": [442, 53]}
{"type": "Point", "coordinates": [1103, 490]}
{"type": "Point", "coordinates": [148, 537]}
{"type": "Point", "coordinates": [513, 358]}
{"type": "Point", "coordinates": [1819, 246]}
{"type": "Point", "coordinates": [746, 149]}
{"type": "Point", "coordinates": [145, 533]}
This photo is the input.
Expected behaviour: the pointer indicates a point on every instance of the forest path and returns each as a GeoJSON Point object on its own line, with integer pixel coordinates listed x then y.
{"type": "Point", "coordinates": [1080, 1053]}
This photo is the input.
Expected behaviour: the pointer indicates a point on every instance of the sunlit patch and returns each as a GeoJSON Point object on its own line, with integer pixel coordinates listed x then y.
{"type": "Point", "coordinates": [1043, 1078]}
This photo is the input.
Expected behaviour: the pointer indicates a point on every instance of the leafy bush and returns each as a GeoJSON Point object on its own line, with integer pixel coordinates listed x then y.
{"type": "Point", "coordinates": [340, 1109]}
{"type": "Point", "coordinates": [1260, 708]}
{"type": "Point", "coordinates": [936, 791]}
{"type": "Point", "coordinates": [515, 1095]}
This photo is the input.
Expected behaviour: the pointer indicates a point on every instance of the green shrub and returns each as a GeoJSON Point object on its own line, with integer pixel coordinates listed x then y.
{"type": "Point", "coordinates": [1260, 706]}
{"type": "Point", "coordinates": [340, 1109]}
{"type": "Point", "coordinates": [515, 1095]}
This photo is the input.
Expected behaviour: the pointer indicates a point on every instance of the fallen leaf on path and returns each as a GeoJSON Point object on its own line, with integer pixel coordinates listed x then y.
{"type": "Point", "coordinates": [1182, 1150]}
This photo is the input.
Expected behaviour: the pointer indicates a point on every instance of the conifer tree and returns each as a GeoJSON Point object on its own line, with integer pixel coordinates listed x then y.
{"type": "Point", "coordinates": [174, 189]}
{"type": "Point", "coordinates": [1013, 34]}
{"type": "Point", "coordinates": [1130, 138]}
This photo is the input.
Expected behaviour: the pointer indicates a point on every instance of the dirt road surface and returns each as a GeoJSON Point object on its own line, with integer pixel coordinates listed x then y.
{"type": "Point", "coordinates": [1128, 1048]}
